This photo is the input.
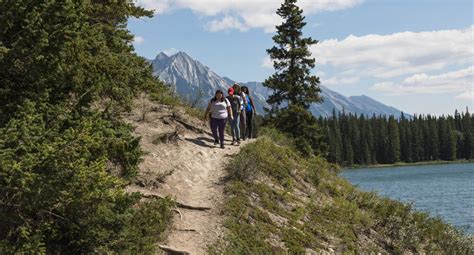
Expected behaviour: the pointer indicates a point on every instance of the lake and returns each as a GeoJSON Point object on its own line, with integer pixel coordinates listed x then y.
{"type": "Point", "coordinates": [441, 190]}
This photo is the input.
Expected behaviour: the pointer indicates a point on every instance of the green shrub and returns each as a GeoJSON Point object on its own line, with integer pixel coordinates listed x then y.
{"type": "Point", "coordinates": [68, 74]}
{"type": "Point", "coordinates": [58, 193]}
{"type": "Point", "coordinates": [263, 179]}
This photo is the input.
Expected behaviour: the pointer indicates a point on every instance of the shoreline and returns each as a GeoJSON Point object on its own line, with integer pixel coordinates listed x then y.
{"type": "Point", "coordinates": [400, 164]}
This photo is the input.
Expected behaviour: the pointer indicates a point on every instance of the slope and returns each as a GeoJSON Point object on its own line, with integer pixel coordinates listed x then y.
{"type": "Point", "coordinates": [182, 163]}
{"type": "Point", "coordinates": [281, 203]}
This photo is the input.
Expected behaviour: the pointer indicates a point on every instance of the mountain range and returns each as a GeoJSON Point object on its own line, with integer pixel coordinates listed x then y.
{"type": "Point", "coordinates": [196, 83]}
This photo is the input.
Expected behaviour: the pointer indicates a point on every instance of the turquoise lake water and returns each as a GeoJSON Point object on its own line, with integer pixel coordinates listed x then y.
{"type": "Point", "coordinates": [441, 190]}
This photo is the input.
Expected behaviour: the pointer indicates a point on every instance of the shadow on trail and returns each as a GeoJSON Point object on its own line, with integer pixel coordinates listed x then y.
{"type": "Point", "coordinates": [201, 141]}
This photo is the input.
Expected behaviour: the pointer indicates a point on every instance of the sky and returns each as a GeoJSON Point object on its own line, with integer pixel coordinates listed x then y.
{"type": "Point", "coordinates": [415, 55]}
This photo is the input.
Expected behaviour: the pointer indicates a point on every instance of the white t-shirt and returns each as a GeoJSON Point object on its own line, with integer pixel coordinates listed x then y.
{"type": "Point", "coordinates": [219, 109]}
{"type": "Point", "coordinates": [243, 101]}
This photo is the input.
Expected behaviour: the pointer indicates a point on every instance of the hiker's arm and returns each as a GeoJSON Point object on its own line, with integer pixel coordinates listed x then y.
{"type": "Point", "coordinates": [208, 109]}
{"type": "Point", "coordinates": [229, 110]}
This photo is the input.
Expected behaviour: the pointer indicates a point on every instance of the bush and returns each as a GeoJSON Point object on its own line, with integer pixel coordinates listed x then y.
{"type": "Point", "coordinates": [302, 126]}
{"type": "Point", "coordinates": [270, 210]}
{"type": "Point", "coordinates": [68, 74]}
{"type": "Point", "coordinates": [263, 156]}
{"type": "Point", "coordinates": [58, 194]}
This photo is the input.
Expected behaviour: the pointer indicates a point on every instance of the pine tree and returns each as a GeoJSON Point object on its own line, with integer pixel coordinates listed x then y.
{"type": "Point", "coordinates": [404, 139]}
{"type": "Point", "coordinates": [68, 71]}
{"type": "Point", "coordinates": [434, 141]}
{"type": "Point", "coordinates": [468, 134]}
{"type": "Point", "coordinates": [381, 139]}
{"type": "Point", "coordinates": [295, 89]}
{"type": "Point", "coordinates": [335, 144]}
{"type": "Point", "coordinates": [452, 144]}
{"type": "Point", "coordinates": [417, 139]}
{"type": "Point", "coordinates": [355, 139]}
{"type": "Point", "coordinates": [393, 141]}
{"type": "Point", "coordinates": [365, 149]}
{"type": "Point", "coordinates": [370, 142]}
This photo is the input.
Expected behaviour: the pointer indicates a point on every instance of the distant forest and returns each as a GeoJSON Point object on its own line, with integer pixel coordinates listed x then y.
{"type": "Point", "coordinates": [360, 140]}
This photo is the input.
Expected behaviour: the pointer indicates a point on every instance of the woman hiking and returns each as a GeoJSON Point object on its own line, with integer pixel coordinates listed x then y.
{"type": "Point", "coordinates": [234, 124]}
{"type": "Point", "coordinates": [243, 102]}
{"type": "Point", "coordinates": [249, 112]}
{"type": "Point", "coordinates": [220, 110]}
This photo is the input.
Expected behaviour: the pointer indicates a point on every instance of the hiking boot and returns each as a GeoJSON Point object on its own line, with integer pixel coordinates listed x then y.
{"type": "Point", "coordinates": [238, 142]}
{"type": "Point", "coordinates": [216, 142]}
{"type": "Point", "coordinates": [222, 146]}
{"type": "Point", "coordinates": [232, 143]}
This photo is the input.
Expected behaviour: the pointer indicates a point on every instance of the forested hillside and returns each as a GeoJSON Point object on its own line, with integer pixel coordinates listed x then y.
{"type": "Point", "coordinates": [68, 73]}
{"type": "Point", "coordinates": [360, 140]}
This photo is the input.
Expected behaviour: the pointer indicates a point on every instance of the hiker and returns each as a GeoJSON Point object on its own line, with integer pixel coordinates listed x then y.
{"type": "Point", "coordinates": [243, 104]}
{"type": "Point", "coordinates": [220, 110]}
{"type": "Point", "coordinates": [235, 123]}
{"type": "Point", "coordinates": [249, 111]}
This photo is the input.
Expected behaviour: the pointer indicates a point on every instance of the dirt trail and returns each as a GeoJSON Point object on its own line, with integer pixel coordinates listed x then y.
{"type": "Point", "coordinates": [195, 167]}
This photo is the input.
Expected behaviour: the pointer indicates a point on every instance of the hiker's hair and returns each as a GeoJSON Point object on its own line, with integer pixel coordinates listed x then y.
{"type": "Point", "coordinates": [237, 89]}
{"type": "Point", "coordinates": [246, 90]}
{"type": "Point", "coordinates": [215, 96]}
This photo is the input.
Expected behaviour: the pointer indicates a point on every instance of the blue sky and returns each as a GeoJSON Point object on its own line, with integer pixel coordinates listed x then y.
{"type": "Point", "coordinates": [415, 55]}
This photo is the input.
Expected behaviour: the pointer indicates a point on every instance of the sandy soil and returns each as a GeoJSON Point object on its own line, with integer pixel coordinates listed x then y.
{"type": "Point", "coordinates": [195, 170]}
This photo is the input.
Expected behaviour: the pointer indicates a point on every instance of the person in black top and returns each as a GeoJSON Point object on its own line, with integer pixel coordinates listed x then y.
{"type": "Point", "coordinates": [249, 112]}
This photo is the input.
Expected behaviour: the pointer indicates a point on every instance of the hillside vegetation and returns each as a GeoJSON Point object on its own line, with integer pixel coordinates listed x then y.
{"type": "Point", "coordinates": [68, 74]}
{"type": "Point", "coordinates": [280, 202]}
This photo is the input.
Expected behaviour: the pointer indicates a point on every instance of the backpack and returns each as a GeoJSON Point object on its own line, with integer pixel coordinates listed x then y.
{"type": "Point", "coordinates": [249, 105]}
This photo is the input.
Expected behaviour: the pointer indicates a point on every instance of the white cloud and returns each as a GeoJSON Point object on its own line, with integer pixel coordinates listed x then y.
{"type": "Point", "coordinates": [394, 55]}
{"type": "Point", "coordinates": [450, 82]}
{"type": "Point", "coordinates": [138, 40]}
{"type": "Point", "coordinates": [267, 63]}
{"type": "Point", "coordinates": [340, 80]}
{"type": "Point", "coordinates": [250, 13]}
{"type": "Point", "coordinates": [226, 23]}
{"type": "Point", "coordinates": [398, 54]}
{"type": "Point", "coordinates": [170, 51]}
{"type": "Point", "coordinates": [158, 6]}
{"type": "Point", "coordinates": [468, 95]}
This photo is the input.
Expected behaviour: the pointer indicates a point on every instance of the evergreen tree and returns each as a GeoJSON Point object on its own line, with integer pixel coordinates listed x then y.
{"type": "Point", "coordinates": [335, 144]}
{"type": "Point", "coordinates": [68, 72]}
{"type": "Point", "coordinates": [356, 140]}
{"type": "Point", "coordinates": [468, 136]}
{"type": "Point", "coordinates": [364, 139]}
{"type": "Point", "coordinates": [387, 140]}
{"type": "Point", "coordinates": [452, 147]}
{"type": "Point", "coordinates": [381, 139]}
{"type": "Point", "coordinates": [445, 137]}
{"type": "Point", "coordinates": [393, 141]}
{"type": "Point", "coordinates": [404, 139]}
{"type": "Point", "coordinates": [434, 140]}
{"type": "Point", "coordinates": [417, 139]}
{"type": "Point", "coordinates": [295, 89]}
{"type": "Point", "coordinates": [370, 143]}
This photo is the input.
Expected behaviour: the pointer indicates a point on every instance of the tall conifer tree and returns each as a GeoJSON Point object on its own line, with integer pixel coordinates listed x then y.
{"type": "Point", "coordinates": [294, 88]}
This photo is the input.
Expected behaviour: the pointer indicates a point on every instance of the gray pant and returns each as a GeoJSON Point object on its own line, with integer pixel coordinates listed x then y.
{"type": "Point", "coordinates": [235, 127]}
{"type": "Point", "coordinates": [243, 124]}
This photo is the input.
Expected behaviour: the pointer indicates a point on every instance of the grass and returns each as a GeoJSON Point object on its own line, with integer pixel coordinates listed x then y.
{"type": "Point", "coordinates": [281, 202]}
